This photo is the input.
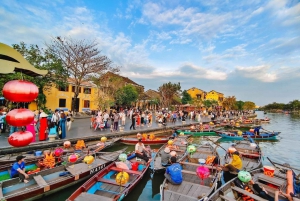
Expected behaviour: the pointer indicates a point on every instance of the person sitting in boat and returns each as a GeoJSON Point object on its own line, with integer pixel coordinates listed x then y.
{"type": "Point", "coordinates": [141, 151]}
{"type": "Point", "coordinates": [18, 169]}
{"type": "Point", "coordinates": [173, 172]}
{"type": "Point", "coordinates": [174, 135]}
{"type": "Point", "coordinates": [245, 182]}
{"type": "Point", "coordinates": [230, 170]}
{"type": "Point", "coordinates": [192, 127]}
{"type": "Point", "coordinates": [256, 131]}
{"type": "Point", "coordinates": [165, 157]}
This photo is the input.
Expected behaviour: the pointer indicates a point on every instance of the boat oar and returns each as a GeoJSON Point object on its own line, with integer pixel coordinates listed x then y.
{"type": "Point", "coordinates": [215, 143]}
{"type": "Point", "coordinates": [274, 163]}
{"type": "Point", "coordinates": [267, 130]}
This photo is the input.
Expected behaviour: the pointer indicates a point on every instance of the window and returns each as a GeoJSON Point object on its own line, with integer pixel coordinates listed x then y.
{"type": "Point", "coordinates": [73, 89]}
{"type": "Point", "coordinates": [63, 88]}
{"type": "Point", "coordinates": [62, 103]}
{"type": "Point", "coordinates": [198, 96]}
{"type": "Point", "coordinates": [87, 90]}
{"type": "Point", "coordinates": [86, 104]}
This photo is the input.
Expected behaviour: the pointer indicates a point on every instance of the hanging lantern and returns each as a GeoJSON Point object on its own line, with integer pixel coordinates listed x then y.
{"type": "Point", "coordinates": [20, 91]}
{"type": "Point", "coordinates": [88, 159]}
{"type": "Point", "coordinates": [123, 157]}
{"type": "Point", "coordinates": [103, 139]}
{"type": "Point", "coordinates": [67, 144]}
{"type": "Point", "coordinates": [73, 158]}
{"type": "Point", "coordinates": [170, 142]}
{"type": "Point", "coordinates": [20, 117]}
{"type": "Point", "coordinates": [181, 133]}
{"type": "Point", "coordinates": [202, 172]}
{"type": "Point", "coordinates": [122, 178]}
{"type": "Point", "coordinates": [191, 149]}
{"type": "Point", "coordinates": [20, 138]}
{"type": "Point", "coordinates": [58, 152]}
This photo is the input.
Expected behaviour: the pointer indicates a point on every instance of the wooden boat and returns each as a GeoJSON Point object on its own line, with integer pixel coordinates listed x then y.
{"type": "Point", "coordinates": [261, 136]}
{"type": "Point", "coordinates": [181, 142]}
{"type": "Point", "coordinates": [251, 154]}
{"type": "Point", "coordinates": [192, 188]}
{"type": "Point", "coordinates": [32, 157]}
{"type": "Point", "coordinates": [35, 164]}
{"type": "Point", "coordinates": [266, 120]}
{"type": "Point", "coordinates": [52, 180]}
{"type": "Point", "coordinates": [230, 192]}
{"type": "Point", "coordinates": [198, 130]}
{"type": "Point", "coordinates": [103, 186]}
{"type": "Point", "coordinates": [133, 140]}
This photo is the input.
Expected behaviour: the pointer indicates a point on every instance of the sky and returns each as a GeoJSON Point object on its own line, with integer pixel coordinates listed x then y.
{"type": "Point", "coordinates": [247, 49]}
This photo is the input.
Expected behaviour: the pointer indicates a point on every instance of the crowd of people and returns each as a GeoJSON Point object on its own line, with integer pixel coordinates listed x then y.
{"type": "Point", "coordinates": [54, 123]}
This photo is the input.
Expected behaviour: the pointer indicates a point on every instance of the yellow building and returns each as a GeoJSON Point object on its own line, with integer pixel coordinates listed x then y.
{"type": "Point", "coordinates": [61, 97]}
{"type": "Point", "coordinates": [214, 95]}
{"type": "Point", "coordinates": [196, 93]}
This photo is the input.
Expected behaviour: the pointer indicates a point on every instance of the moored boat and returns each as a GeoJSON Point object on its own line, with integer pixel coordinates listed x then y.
{"type": "Point", "coordinates": [192, 187]}
{"type": "Point", "coordinates": [181, 143]}
{"type": "Point", "coordinates": [198, 130]}
{"type": "Point", "coordinates": [281, 180]}
{"type": "Point", "coordinates": [34, 165]}
{"type": "Point", "coordinates": [146, 140]}
{"type": "Point", "coordinates": [261, 136]}
{"type": "Point", "coordinates": [52, 180]}
{"type": "Point", "coordinates": [106, 186]}
{"type": "Point", "coordinates": [33, 156]}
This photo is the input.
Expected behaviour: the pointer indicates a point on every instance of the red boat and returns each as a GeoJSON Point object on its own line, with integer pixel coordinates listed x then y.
{"type": "Point", "coordinates": [104, 186]}
{"type": "Point", "coordinates": [132, 140]}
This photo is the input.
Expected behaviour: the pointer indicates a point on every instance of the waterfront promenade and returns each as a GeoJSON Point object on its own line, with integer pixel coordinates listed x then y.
{"type": "Point", "coordinates": [81, 128]}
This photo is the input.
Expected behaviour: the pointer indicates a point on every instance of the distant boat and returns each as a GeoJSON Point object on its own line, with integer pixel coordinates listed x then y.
{"type": "Point", "coordinates": [265, 112]}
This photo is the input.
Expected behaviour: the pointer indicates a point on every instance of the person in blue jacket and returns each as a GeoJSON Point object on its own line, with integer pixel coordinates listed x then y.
{"type": "Point", "coordinates": [18, 169]}
{"type": "Point", "coordinates": [173, 172]}
{"type": "Point", "coordinates": [256, 131]}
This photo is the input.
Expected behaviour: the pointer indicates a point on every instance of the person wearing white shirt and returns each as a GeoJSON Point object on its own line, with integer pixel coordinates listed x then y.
{"type": "Point", "coordinates": [140, 151]}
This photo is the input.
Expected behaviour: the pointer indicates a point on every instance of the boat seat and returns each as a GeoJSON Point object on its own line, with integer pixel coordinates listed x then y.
{"type": "Point", "coordinates": [227, 198]}
{"type": "Point", "coordinates": [193, 173]}
{"type": "Point", "coordinates": [113, 182]}
{"type": "Point", "coordinates": [255, 197]}
{"type": "Point", "coordinates": [170, 195]}
{"type": "Point", "coordinates": [128, 171]}
{"type": "Point", "coordinates": [196, 164]}
{"type": "Point", "coordinates": [40, 181]}
{"type": "Point", "coordinates": [271, 180]}
{"type": "Point", "coordinates": [92, 197]}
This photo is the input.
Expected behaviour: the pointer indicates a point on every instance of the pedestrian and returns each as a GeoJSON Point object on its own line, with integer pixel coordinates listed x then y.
{"type": "Point", "coordinates": [18, 169]}
{"type": "Point", "coordinates": [55, 118]}
{"type": "Point", "coordinates": [62, 125]}
{"type": "Point", "coordinates": [123, 118]}
{"type": "Point", "coordinates": [173, 172]}
{"type": "Point", "coordinates": [141, 151]}
{"type": "Point", "coordinates": [116, 121]}
{"type": "Point", "coordinates": [69, 121]}
{"type": "Point", "coordinates": [31, 129]}
{"type": "Point", "coordinates": [133, 121]}
{"type": "Point", "coordinates": [43, 126]}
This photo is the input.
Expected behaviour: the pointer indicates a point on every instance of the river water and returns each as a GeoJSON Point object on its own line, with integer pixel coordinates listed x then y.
{"type": "Point", "coordinates": [283, 150]}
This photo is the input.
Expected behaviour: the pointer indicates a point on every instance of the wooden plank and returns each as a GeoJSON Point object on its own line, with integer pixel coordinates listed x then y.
{"type": "Point", "coordinates": [111, 182]}
{"type": "Point", "coordinates": [195, 164]}
{"type": "Point", "coordinates": [128, 171]}
{"type": "Point", "coordinates": [247, 193]}
{"type": "Point", "coordinates": [91, 197]}
{"type": "Point", "coordinates": [40, 181]}
{"type": "Point", "coordinates": [272, 180]}
{"type": "Point", "coordinates": [224, 197]}
{"type": "Point", "coordinates": [1, 192]}
{"type": "Point", "coordinates": [176, 196]}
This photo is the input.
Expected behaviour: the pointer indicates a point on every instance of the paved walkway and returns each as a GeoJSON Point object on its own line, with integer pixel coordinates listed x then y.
{"type": "Point", "coordinates": [81, 128]}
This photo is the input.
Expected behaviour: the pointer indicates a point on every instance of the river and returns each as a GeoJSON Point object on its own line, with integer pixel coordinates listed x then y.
{"type": "Point", "coordinates": [285, 149]}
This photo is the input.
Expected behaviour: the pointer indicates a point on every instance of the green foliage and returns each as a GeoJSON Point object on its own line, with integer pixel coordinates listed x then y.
{"type": "Point", "coordinates": [167, 92]}
{"type": "Point", "coordinates": [248, 105]}
{"type": "Point", "coordinates": [186, 97]}
{"type": "Point", "coordinates": [40, 59]}
{"type": "Point", "coordinates": [207, 103]}
{"type": "Point", "coordinates": [239, 105]}
{"type": "Point", "coordinates": [126, 95]}
{"type": "Point", "coordinates": [292, 105]}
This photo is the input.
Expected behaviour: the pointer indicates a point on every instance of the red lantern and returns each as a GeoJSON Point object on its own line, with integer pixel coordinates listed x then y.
{"type": "Point", "coordinates": [20, 138]}
{"type": "Point", "coordinates": [20, 91]}
{"type": "Point", "coordinates": [73, 158]}
{"type": "Point", "coordinates": [20, 117]}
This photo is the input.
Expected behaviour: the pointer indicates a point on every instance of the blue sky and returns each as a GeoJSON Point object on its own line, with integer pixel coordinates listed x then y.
{"type": "Point", "coordinates": [250, 49]}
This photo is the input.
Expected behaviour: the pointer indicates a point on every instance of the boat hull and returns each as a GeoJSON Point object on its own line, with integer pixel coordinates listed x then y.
{"type": "Point", "coordinates": [198, 133]}
{"type": "Point", "coordinates": [145, 142]}
{"type": "Point", "coordinates": [273, 137]}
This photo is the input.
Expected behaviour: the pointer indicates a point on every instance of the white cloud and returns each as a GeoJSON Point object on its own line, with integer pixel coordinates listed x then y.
{"type": "Point", "coordinates": [257, 72]}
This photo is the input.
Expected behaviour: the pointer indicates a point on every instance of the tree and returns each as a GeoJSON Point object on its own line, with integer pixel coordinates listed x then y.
{"type": "Point", "coordinates": [197, 103]}
{"type": "Point", "coordinates": [186, 97]}
{"type": "Point", "coordinates": [81, 59]}
{"type": "Point", "coordinates": [167, 92]}
{"type": "Point", "coordinates": [126, 95]}
{"type": "Point", "coordinates": [41, 59]}
{"type": "Point", "coordinates": [229, 102]}
{"type": "Point", "coordinates": [239, 105]}
{"type": "Point", "coordinates": [248, 105]}
{"type": "Point", "coordinates": [207, 103]}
